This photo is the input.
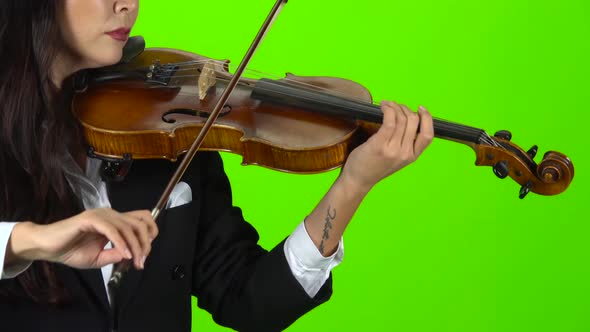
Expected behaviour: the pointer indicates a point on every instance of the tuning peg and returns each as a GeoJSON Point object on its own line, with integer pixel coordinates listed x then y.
{"type": "Point", "coordinates": [532, 152]}
{"type": "Point", "coordinates": [501, 169]}
{"type": "Point", "coordinates": [503, 134]}
{"type": "Point", "coordinates": [525, 189]}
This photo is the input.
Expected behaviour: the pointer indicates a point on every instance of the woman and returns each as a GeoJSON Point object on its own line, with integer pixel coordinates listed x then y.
{"type": "Point", "coordinates": [61, 232]}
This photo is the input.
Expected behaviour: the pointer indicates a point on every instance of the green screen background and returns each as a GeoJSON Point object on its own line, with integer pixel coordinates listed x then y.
{"type": "Point", "coordinates": [441, 245]}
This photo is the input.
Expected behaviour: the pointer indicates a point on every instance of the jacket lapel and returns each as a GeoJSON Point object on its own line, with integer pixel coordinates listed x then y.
{"type": "Point", "coordinates": [128, 288]}
{"type": "Point", "coordinates": [93, 282]}
{"type": "Point", "coordinates": [133, 193]}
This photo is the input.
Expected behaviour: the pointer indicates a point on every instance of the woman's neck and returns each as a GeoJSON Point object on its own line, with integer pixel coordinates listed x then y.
{"type": "Point", "coordinates": [62, 67]}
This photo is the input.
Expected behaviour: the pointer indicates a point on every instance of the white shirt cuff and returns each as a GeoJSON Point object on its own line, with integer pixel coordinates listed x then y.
{"type": "Point", "coordinates": [308, 265]}
{"type": "Point", "coordinates": [13, 270]}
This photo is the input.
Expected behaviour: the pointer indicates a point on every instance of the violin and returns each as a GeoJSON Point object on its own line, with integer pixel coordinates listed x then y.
{"type": "Point", "coordinates": [154, 105]}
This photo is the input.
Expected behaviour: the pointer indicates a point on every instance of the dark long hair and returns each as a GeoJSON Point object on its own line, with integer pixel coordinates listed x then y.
{"type": "Point", "coordinates": [37, 131]}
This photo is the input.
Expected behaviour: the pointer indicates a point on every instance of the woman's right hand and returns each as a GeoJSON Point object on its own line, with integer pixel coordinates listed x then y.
{"type": "Point", "coordinates": [79, 241]}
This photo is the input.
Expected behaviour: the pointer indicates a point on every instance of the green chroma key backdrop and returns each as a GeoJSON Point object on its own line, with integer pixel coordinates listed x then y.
{"type": "Point", "coordinates": [442, 245]}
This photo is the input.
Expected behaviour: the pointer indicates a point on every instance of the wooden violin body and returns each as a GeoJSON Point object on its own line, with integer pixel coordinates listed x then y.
{"type": "Point", "coordinates": [128, 117]}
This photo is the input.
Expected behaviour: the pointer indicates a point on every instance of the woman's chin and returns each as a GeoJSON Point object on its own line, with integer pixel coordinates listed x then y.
{"type": "Point", "coordinates": [107, 59]}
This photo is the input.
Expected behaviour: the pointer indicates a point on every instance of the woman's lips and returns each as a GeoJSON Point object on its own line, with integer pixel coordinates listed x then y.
{"type": "Point", "coordinates": [121, 34]}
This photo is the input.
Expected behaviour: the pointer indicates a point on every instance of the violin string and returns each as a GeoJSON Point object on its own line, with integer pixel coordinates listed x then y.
{"type": "Point", "coordinates": [196, 65]}
{"type": "Point", "coordinates": [489, 140]}
{"type": "Point", "coordinates": [331, 92]}
{"type": "Point", "coordinates": [286, 80]}
{"type": "Point", "coordinates": [298, 83]}
{"type": "Point", "coordinates": [444, 124]}
{"type": "Point", "coordinates": [313, 86]}
{"type": "Point", "coordinates": [460, 130]}
{"type": "Point", "coordinates": [262, 74]}
{"type": "Point", "coordinates": [457, 128]}
{"type": "Point", "coordinates": [493, 141]}
{"type": "Point", "coordinates": [454, 126]}
{"type": "Point", "coordinates": [193, 65]}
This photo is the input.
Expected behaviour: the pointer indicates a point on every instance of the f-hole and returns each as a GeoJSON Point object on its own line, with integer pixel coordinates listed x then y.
{"type": "Point", "coordinates": [168, 116]}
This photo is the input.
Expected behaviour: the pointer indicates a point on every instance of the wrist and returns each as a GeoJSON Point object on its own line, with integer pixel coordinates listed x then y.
{"type": "Point", "coordinates": [23, 245]}
{"type": "Point", "coordinates": [352, 186]}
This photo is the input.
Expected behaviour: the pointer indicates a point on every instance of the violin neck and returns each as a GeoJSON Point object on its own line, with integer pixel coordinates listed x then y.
{"type": "Point", "coordinates": [285, 93]}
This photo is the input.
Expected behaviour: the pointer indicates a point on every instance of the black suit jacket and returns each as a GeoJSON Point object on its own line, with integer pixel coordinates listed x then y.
{"type": "Point", "coordinates": [204, 248]}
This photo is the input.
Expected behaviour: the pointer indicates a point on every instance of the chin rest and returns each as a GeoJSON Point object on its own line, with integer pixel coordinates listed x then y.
{"type": "Point", "coordinates": [134, 47]}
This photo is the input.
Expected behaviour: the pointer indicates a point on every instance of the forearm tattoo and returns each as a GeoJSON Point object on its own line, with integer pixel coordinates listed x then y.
{"type": "Point", "coordinates": [327, 227]}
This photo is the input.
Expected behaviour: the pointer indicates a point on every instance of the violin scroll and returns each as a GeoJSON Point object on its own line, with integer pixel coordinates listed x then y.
{"type": "Point", "coordinates": [556, 168]}
{"type": "Point", "coordinates": [552, 176]}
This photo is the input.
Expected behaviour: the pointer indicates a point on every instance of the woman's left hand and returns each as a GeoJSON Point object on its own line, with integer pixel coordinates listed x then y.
{"type": "Point", "coordinates": [395, 145]}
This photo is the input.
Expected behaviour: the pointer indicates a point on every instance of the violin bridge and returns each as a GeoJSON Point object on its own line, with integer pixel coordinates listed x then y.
{"type": "Point", "coordinates": [206, 79]}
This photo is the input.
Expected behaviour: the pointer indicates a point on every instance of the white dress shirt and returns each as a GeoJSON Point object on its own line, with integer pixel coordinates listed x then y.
{"type": "Point", "coordinates": [308, 266]}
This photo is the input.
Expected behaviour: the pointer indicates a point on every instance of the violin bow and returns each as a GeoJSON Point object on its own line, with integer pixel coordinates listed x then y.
{"type": "Point", "coordinates": [122, 268]}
